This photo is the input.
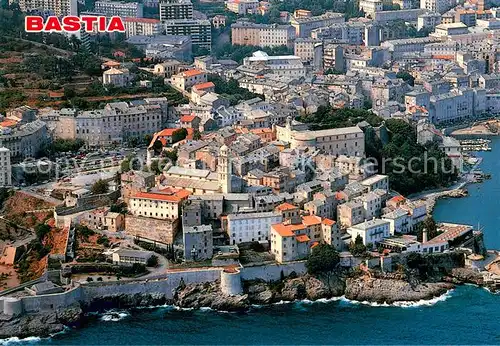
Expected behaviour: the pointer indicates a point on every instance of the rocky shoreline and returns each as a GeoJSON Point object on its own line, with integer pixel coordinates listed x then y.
{"type": "Point", "coordinates": [378, 288]}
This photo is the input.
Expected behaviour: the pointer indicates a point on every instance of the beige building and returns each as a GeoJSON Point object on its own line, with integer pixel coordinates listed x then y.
{"type": "Point", "coordinates": [242, 7]}
{"type": "Point", "coordinates": [157, 205]}
{"type": "Point", "coordinates": [142, 26]}
{"type": "Point", "coordinates": [187, 79]}
{"type": "Point", "coordinates": [57, 7]}
{"type": "Point", "coordinates": [116, 77]}
{"type": "Point", "coordinates": [291, 241]}
{"type": "Point", "coordinates": [350, 213]}
{"type": "Point", "coordinates": [167, 68]}
{"type": "Point", "coordinates": [262, 35]}
{"type": "Point", "coordinates": [342, 141]}
{"type": "Point", "coordinates": [103, 219]}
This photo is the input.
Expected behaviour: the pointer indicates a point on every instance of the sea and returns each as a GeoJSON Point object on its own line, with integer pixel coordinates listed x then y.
{"type": "Point", "coordinates": [465, 315]}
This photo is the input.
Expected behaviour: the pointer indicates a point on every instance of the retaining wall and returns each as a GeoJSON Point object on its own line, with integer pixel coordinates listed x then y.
{"type": "Point", "coordinates": [272, 272]}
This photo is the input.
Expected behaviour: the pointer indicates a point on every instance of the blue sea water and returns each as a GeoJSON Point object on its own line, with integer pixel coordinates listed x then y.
{"type": "Point", "coordinates": [466, 315]}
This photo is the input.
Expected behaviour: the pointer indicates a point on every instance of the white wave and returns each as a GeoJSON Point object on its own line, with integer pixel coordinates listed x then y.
{"type": "Point", "coordinates": [13, 340]}
{"type": "Point", "coordinates": [327, 300]}
{"type": "Point", "coordinates": [281, 302]}
{"type": "Point", "coordinates": [402, 304]}
{"type": "Point", "coordinates": [206, 308]}
{"type": "Point", "coordinates": [114, 316]}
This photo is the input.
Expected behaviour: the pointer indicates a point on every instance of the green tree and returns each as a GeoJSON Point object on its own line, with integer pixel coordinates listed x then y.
{"type": "Point", "coordinates": [99, 187]}
{"type": "Point", "coordinates": [152, 261]}
{"type": "Point", "coordinates": [125, 165]}
{"type": "Point", "coordinates": [430, 226]}
{"type": "Point", "coordinates": [41, 230]}
{"type": "Point", "coordinates": [323, 259]}
{"type": "Point", "coordinates": [179, 135]}
{"type": "Point", "coordinates": [357, 248]}
{"type": "Point", "coordinates": [157, 146]}
{"type": "Point", "coordinates": [407, 77]}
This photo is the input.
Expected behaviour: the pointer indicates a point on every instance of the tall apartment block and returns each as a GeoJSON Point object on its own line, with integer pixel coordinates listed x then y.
{"type": "Point", "coordinates": [5, 167]}
{"type": "Point", "coordinates": [199, 30]}
{"type": "Point", "coordinates": [119, 8]}
{"type": "Point", "coordinates": [176, 9]}
{"type": "Point", "coordinates": [55, 7]}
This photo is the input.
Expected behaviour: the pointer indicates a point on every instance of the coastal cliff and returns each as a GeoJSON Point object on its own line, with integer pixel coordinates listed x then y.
{"type": "Point", "coordinates": [40, 324]}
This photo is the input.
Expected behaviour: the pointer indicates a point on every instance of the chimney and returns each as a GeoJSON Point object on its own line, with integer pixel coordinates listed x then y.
{"type": "Point", "coordinates": [424, 236]}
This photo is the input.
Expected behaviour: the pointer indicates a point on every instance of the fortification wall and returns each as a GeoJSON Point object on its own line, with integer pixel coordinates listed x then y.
{"type": "Point", "coordinates": [272, 272]}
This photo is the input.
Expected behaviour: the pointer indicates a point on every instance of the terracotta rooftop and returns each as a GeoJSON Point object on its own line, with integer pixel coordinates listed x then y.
{"type": "Point", "coordinates": [202, 86]}
{"type": "Point", "coordinates": [302, 238]}
{"type": "Point", "coordinates": [311, 220]}
{"type": "Point", "coordinates": [176, 197]}
{"type": "Point", "coordinates": [287, 230]}
{"type": "Point", "coordinates": [191, 73]}
{"type": "Point", "coordinates": [286, 206]}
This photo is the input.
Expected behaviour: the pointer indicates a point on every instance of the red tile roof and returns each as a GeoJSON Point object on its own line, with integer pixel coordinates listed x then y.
{"type": "Point", "coordinates": [328, 222]}
{"type": "Point", "coordinates": [206, 85]}
{"type": "Point", "coordinates": [176, 198]}
{"type": "Point", "coordinates": [302, 238]}
{"type": "Point", "coordinates": [191, 73]}
{"type": "Point", "coordinates": [287, 230]}
{"type": "Point", "coordinates": [187, 118]}
{"type": "Point", "coordinates": [286, 206]}
{"type": "Point", "coordinates": [310, 220]}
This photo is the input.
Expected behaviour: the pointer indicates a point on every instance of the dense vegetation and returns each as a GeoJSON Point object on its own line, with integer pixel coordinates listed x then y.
{"type": "Point", "coordinates": [327, 118]}
{"type": "Point", "coordinates": [323, 259]}
{"type": "Point", "coordinates": [410, 166]}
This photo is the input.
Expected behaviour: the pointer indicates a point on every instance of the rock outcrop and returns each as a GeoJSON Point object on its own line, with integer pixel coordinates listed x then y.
{"type": "Point", "coordinates": [209, 295]}
{"type": "Point", "coordinates": [40, 324]}
{"type": "Point", "coordinates": [391, 290]}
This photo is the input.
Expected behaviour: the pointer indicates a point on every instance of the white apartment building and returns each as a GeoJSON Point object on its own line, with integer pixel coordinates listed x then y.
{"type": "Point", "coordinates": [371, 231]}
{"type": "Point", "coordinates": [142, 26]}
{"type": "Point", "coordinates": [371, 6]}
{"type": "Point", "coordinates": [398, 48]}
{"type": "Point", "coordinates": [119, 8]}
{"type": "Point", "coordinates": [5, 167]}
{"type": "Point", "coordinates": [399, 221]}
{"type": "Point", "coordinates": [262, 35]}
{"type": "Point", "coordinates": [281, 65]}
{"type": "Point", "coordinates": [440, 6]}
{"type": "Point", "coordinates": [428, 20]}
{"type": "Point", "coordinates": [377, 181]}
{"type": "Point", "coordinates": [56, 7]}
{"type": "Point", "coordinates": [457, 105]}
{"type": "Point", "coordinates": [157, 205]}
{"type": "Point", "coordinates": [304, 25]}
{"type": "Point", "coordinates": [24, 141]}
{"type": "Point", "coordinates": [372, 205]}
{"type": "Point", "coordinates": [118, 122]}
{"type": "Point", "coordinates": [248, 227]}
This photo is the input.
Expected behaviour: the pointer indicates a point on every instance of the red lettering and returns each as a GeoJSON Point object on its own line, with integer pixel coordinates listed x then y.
{"type": "Point", "coordinates": [102, 24]}
{"type": "Point", "coordinates": [52, 24]}
{"type": "Point", "coordinates": [71, 23]}
{"type": "Point", "coordinates": [89, 22]}
{"type": "Point", "coordinates": [116, 24]}
{"type": "Point", "coordinates": [33, 24]}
